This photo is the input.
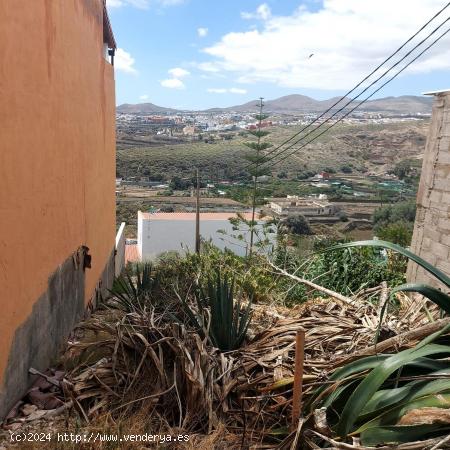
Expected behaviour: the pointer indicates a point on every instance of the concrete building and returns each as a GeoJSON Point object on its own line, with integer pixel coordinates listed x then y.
{"type": "Point", "coordinates": [57, 166]}
{"type": "Point", "coordinates": [304, 206]}
{"type": "Point", "coordinates": [431, 237]}
{"type": "Point", "coordinates": [164, 232]}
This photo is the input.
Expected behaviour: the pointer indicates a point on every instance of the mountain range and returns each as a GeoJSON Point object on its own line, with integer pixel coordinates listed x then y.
{"type": "Point", "coordinates": [296, 103]}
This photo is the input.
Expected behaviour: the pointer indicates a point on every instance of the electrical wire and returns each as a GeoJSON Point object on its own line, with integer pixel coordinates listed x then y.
{"type": "Point", "coordinates": [359, 104]}
{"type": "Point", "coordinates": [362, 81]}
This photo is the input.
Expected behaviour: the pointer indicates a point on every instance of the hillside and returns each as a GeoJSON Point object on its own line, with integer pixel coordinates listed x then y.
{"type": "Point", "coordinates": [407, 104]}
{"type": "Point", "coordinates": [411, 103]}
{"type": "Point", "coordinates": [296, 103]}
{"type": "Point", "coordinates": [363, 147]}
{"type": "Point", "coordinates": [144, 108]}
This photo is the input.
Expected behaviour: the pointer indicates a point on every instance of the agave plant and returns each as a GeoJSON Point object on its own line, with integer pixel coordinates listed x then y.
{"type": "Point", "coordinates": [373, 404]}
{"type": "Point", "coordinates": [375, 401]}
{"type": "Point", "coordinates": [217, 315]}
{"type": "Point", "coordinates": [132, 289]}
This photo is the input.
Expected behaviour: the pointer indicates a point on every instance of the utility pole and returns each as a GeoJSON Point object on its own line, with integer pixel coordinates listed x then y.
{"type": "Point", "coordinates": [197, 217]}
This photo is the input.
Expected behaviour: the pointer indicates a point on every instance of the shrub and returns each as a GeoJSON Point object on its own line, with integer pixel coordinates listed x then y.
{"type": "Point", "coordinates": [167, 209]}
{"type": "Point", "coordinates": [166, 193]}
{"type": "Point", "coordinates": [295, 224]}
{"type": "Point", "coordinates": [347, 271]}
{"type": "Point", "coordinates": [402, 211]}
{"type": "Point", "coordinates": [177, 184]}
{"type": "Point", "coordinates": [342, 270]}
{"type": "Point", "coordinates": [346, 169]}
{"type": "Point", "coordinates": [304, 175]}
{"type": "Point", "coordinates": [399, 232]}
{"type": "Point", "coordinates": [402, 169]}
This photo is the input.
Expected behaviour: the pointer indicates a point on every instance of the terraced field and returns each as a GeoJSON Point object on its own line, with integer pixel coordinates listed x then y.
{"type": "Point", "coordinates": [368, 147]}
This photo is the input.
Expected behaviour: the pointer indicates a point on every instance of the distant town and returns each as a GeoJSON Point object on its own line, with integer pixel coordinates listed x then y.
{"type": "Point", "coordinates": [193, 124]}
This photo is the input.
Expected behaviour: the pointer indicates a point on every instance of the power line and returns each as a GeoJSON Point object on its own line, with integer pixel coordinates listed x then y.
{"type": "Point", "coordinates": [362, 81]}
{"type": "Point", "coordinates": [359, 104]}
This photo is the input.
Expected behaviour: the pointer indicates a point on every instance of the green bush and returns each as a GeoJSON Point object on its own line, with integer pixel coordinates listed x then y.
{"type": "Point", "coordinates": [305, 175]}
{"type": "Point", "coordinates": [295, 224]}
{"type": "Point", "coordinates": [342, 270]}
{"type": "Point", "coordinates": [346, 169]}
{"type": "Point", "coordinates": [399, 232]}
{"type": "Point", "coordinates": [396, 212]}
{"type": "Point", "coordinates": [347, 271]}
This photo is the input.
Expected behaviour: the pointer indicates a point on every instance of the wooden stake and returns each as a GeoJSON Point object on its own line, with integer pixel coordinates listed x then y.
{"type": "Point", "coordinates": [197, 217]}
{"type": "Point", "coordinates": [298, 377]}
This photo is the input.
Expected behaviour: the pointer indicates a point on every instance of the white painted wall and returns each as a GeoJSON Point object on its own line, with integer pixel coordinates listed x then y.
{"type": "Point", "coordinates": [120, 250]}
{"type": "Point", "coordinates": [159, 236]}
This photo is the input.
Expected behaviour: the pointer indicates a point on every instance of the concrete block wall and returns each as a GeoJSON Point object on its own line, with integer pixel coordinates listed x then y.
{"type": "Point", "coordinates": [431, 237]}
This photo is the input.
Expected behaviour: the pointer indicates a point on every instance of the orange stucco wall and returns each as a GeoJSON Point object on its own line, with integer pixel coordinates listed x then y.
{"type": "Point", "coordinates": [57, 149]}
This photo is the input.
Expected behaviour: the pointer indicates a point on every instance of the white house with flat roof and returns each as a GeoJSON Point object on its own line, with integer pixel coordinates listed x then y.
{"type": "Point", "coordinates": [165, 232]}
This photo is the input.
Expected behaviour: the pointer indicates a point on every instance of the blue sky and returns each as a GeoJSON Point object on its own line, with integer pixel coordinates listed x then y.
{"type": "Point", "coordinates": [196, 54]}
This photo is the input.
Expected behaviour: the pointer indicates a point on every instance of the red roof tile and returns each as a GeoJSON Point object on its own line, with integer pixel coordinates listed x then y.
{"type": "Point", "coordinates": [131, 253]}
{"type": "Point", "coordinates": [191, 216]}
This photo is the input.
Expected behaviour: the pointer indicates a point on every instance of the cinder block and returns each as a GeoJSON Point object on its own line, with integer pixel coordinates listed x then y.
{"type": "Point", "coordinates": [444, 225]}
{"type": "Point", "coordinates": [440, 250]}
{"type": "Point", "coordinates": [445, 239]}
{"type": "Point", "coordinates": [426, 243]}
{"type": "Point", "coordinates": [441, 184]}
{"type": "Point", "coordinates": [439, 206]}
{"type": "Point", "coordinates": [444, 157]}
{"type": "Point", "coordinates": [431, 233]}
{"type": "Point", "coordinates": [443, 265]}
{"type": "Point", "coordinates": [436, 196]}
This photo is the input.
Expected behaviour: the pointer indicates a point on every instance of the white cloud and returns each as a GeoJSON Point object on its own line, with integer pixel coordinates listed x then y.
{"type": "Point", "coordinates": [124, 62]}
{"type": "Point", "coordinates": [173, 83]}
{"type": "Point", "coordinates": [224, 91]}
{"type": "Point", "coordinates": [202, 32]}
{"type": "Point", "coordinates": [238, 91]}
{"type": "Point", "coordinates": [262, 12]}
{"type": "Point", "coordinates": [347, 39]}
{"type": "Point", "coordinates": [143, 97]}
{"type": "Point", "coordinates": [177, 72]}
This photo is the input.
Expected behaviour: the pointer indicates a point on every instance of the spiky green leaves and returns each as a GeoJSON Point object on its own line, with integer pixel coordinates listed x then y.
{"type": "Point", "coordinates": [375, 406]}
{"type": "Point", "coordinates": [132, 289]}
{"type": "Point", "coordinates": [217, 314]}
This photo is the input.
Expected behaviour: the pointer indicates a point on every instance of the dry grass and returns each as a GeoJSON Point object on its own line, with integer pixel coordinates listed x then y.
{"type": "Point", "coordinates": [140, 372]}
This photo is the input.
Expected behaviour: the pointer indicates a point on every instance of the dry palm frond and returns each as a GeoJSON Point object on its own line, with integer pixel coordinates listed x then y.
{"type": "Point", "coordinates": [123, 362]}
